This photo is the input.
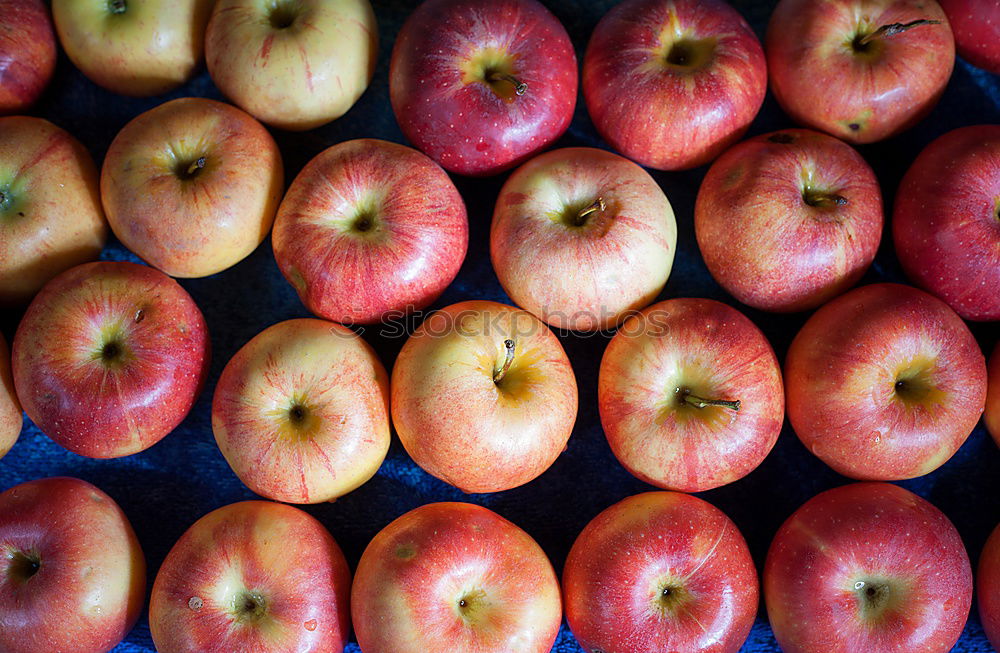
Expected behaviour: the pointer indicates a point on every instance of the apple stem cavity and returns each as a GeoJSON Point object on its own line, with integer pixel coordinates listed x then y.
{"type": "Point", "coordinates": [508, 359]}
{"type": "Point", "coordinates": [23, 566]}
{"type": "Point", "coordinates": [700, 402]}
{"type": "Point", "coordinates": [593, 207]}
{"type": "Point", "coordinates": [891, 30]}
{"type": "Point", "coordinates": [520, 87]}
{"type": "Point", "coordinates": [117, 6]}
{"type": "Point", "coordinates": [822, 199]}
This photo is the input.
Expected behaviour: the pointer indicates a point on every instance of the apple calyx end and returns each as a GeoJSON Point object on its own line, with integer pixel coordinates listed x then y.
{"type": "Point", "coordinates": [499, 375]}
{"type": "Point", "coordinates": [861, 41]}
{"type": "Point", "coordinates": [117, 7]}
{"type": "Point", "coordinates": [22, 566]}
{"type": "Point", "coordinates": [249, 606]}
{"type": "Point", "coordinates": [282, 15]}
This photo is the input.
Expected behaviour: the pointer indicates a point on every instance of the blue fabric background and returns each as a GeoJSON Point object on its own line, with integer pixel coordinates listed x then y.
{"type": "Point", "coordinates": [166, 488]}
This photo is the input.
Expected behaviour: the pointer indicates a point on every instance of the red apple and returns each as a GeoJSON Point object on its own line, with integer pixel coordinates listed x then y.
{"type": "Point", "coordinates": [884, 383]}
{"type": "Point", "coordinates": [581, 237]}
{"type": "Point", "coordinates": [294, 64]}
{"type": "Point", "coordinates": [133, 47]}
{"type": "Point", "coordinates": [192, 186]}
{"type": "Point", "coordinates": [252, 576]}
{"type": "Point", "coordinates": [72, 574]}
{"type": "Point", "coordinates": [992, 414]}
{"type": "Point", "coordinates": [483, 396]}
{"type": "Point", "coordinates": [672, 83]}
{"type": "Point", "coordinates": [10, 407]}
{"type": "Point", "coordinates": [482, 85]}
{"type": "Point", "coordinates": [369, 229]}
{"type": "Point", "coordinates": [976, 26]}
{"type": "Point", "coordinates": [455, 577]}
{"type": "Point", "coordinates": [301, 412]}
{"type": "Point", "coordinates": [786, 221]}
{"type": "Point", "coordinates": [690, 395]}
{"type": "Point", "coordinates": [50, 208]}
{"type": "Point", "coordinates": [946, 222]}
{"type": "Point", "coordinates": [862, 70]}
{"type": "Point", "coordinates": [109, 358]}
{"type": "Point", "coordinates": [867, 567]}
{"type": "Point", "coordinates": [27, 53]}
{"type": "Point", "coordinates": [988, 588]}
{"type": "Point", "coordinates": [660, 572]}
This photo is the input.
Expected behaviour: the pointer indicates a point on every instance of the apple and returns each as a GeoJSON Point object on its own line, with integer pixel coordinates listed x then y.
{"type": "Point", "coordinates": [294, 64]}
{"type": "Point", "coordinates": [192, 186]}
{"type": "Point", "coordinates": [72, 573]}
{"type": "Point", "coordinates": [252, 576]}
{"type": "Point", "coordinates": [867, 567]}
{"type": "Point", "coordinates": [455, 577]}
{"type": "Point", "coordinates": [976, 26]}
{"type": "Point", "coordinates": [788, 220]}
{"type": "Point", "coordinates": [483, 396]}
{"type": "Point", "coordinates": [988, 588]}
{"type": "Point", "coordinates": [28, 53]}
{"type": "Point", "coordinates": [134, 47]}
{"type": "Point", "coordinates": [50, 207]}
{"type": "Point", "coordinates": [991, 416]}
{"type": "Point", "coordinates": [581, 237]}
{"type": "Point", "coordinates": [482, 85]}
{"type": "Point", "coordinates": [946, 222]}
{"type": "Point", "coordinates": [673, 83]}
{"type": "Point", "coordinates": [690, 395]}
{"type": "Point", "coordinates": [301, 412]}
{"type": "Point", "coordinates": [861, 70]}
{"type": "Point", "coordinates": [370, 229]}
{"type": "Point", "coordinates": [884, 383]}
{"type": "Point", "coordinates": [660, 572]}
{"type": "Point", "coordinates": [109, 358]}
{"type": "Point", "coordinates": [10, 407]}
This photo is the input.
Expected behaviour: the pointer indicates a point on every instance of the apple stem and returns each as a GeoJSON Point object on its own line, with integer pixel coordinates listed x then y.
{"type": "Point", "coordinates": [196, 166]}
{"type": "Point", "coordinates": [117, 6]}
{"type": "Point", "coordinates": [508, 359]}
{"type": "Point", "coordinates": [698, 402]}
{"type": "Point", "coordinates": [519, 87]}
{"type": "Point", "coordinates": [596, 205]}
{"type": "Point", "coordinates": [894, 28]}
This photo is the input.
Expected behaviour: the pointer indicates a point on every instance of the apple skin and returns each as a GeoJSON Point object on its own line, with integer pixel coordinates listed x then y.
{"type": "Point", "coordinates": [252, 576]}
{"type": "Point", "coordinates": [186, 220]}
{"type": "Point", "coordinates": [50, 215]}
{"type": "Point", "coordinates": [10, 408]}
{"type": "Point", "coordinates": [988, 588]}
{"type": "Point", "coordinates": [27, 53]}
{"type": "Point", "coordinates": [991, 416]}
{"type": "Point", "coordinates": [445, 106]}
{"type": "Point", "coordinates": [301, 412]}
{"type": "Point", "coordinates": [900, 546]}
{"type": "Point", "coordinates": [539, 252]}
{"type": "Point", "coordinates": [461, 426]}
{"type": "Point", "coordinates": [976, 26]}
{"type": "Point", "coordinates": [703, 348]}
{"type": "Point", "coordinates": [787, 254]}
{"type": "Point", "coordinates": [946, 221]}
{"type": "Point", "coordinates": [134, 47]}
{"type": "Point", "coordinates": [89, 582]}
{"type": "Point", "coordinates": [884, 383]}
{"type": "Point", "coordinates": [369, 229]}
{"type": "Point", "coordinates": [416, 572]}
{"type": "Point", "coordinates": [822, 82]}
{"type": "Point", "coordinates": [302, 74]}
{"type": "Point", "coordinates": [673, 116]}
{"type": "Point", "coordinates": [109, 358]}
{"type": "Point", "coordinates": [644, 546]}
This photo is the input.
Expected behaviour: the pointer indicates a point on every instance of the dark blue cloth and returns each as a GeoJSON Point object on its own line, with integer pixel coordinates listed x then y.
{"type": "Point", "coordinates": [166, 488]}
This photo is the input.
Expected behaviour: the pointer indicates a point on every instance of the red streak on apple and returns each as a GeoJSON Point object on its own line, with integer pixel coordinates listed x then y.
{"type": "Point", "coordinates": [976, 26]}
{"type": "Point", "coordinates": [27, 53]}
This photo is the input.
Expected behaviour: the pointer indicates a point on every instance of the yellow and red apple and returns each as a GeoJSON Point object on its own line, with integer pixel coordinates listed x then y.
{"type": "Point", "coordinates": [27, 53]}
{"type": "Point", "coordinates": [10, 408]}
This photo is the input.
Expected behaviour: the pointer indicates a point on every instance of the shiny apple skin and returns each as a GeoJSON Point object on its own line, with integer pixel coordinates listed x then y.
{"type": "Point", "coordinates": [90, 584]}
{"type": "Point", "coordinates": [883, 536]}
{"type": "Point", "coordinates": [786, 255]}
{"type": "Point", "coordinates": [625, 558]}
{"type": "Point", "coordinates": [113, 408]}
{"type": "Point", "coordinates": [301, 412]}
{"type": "Point", "coordinates": [296, 77]}
{"type": "Point", "coordinates": [714, 352]}
{"type": "Point", "coordinates": [625, 252]}
{"type": "Point", "coordinates": [152, 47]}
{"type": "Point", "coordinates": [416, 571]}
{"type": "Point", "coordinates": [988, 588]}
{"type": "Point", "coordinates": [665, 116]}
{"type": "Point", "coordinates": [946, 221]}
{"type": "Point", "coordinates": [821, 83]}
{"type": "Point", "coordinates": [27, 53]}
{"type": "Point", "coordinates": [412, 247]}
{"type": "Point", "coordinates": [841, 376]}
{"type": "Point", "coordinates": [462, 123]}
{"type": "Point", "coordinates": [976, 26]}
{"type": "Point", "coordinates": [271, 553]}
{"type": "Point", "coordinates": [991, 416]}
{"type": "Point", "coordinates": [53, 218]}
{"type": "Point", "coordinates": [462, 427]}
{"type": "Point", "coordinates": [10, 407]}
{"type": "Point", "coordinates": [198, 225]}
